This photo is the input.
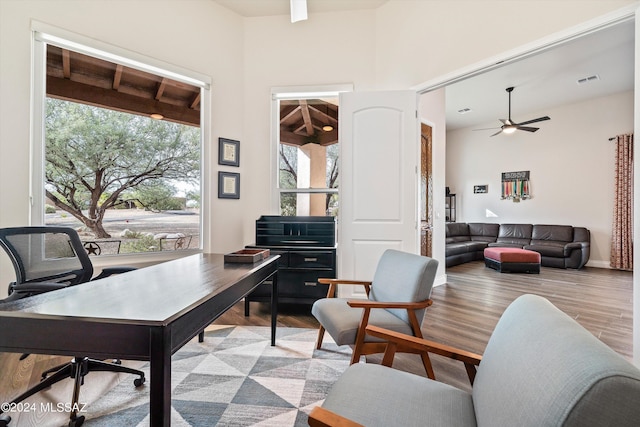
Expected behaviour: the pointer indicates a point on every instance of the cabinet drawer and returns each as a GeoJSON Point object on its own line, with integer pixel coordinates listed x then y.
{"type": "Point", "coordinates": [301, 285]}
{"type": "Point", "coordinates": [311, 259]}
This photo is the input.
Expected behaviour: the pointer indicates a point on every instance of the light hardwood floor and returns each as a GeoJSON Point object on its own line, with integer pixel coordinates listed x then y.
{"type": "Point", "coordinates": [464, 313]}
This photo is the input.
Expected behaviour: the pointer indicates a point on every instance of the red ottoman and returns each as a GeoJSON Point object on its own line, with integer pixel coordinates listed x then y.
{"type": "Point", "coordinates": [512, 260]}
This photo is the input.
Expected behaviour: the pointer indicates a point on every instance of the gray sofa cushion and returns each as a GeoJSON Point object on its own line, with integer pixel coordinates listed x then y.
{"type": "Point", "coordinates": [541, 368]}
{"type": "Point", "coordinates": [376, 396]}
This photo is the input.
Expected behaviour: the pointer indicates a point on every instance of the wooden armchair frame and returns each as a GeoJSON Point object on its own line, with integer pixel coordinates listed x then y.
{"type": "Point", "coordinates": [321, 417]}
{"type": "Point", "coordinates": [363, 348]}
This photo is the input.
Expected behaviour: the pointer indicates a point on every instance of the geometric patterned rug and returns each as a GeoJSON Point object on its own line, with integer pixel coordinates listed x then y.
{"type": "Point", "coordinates": [235, 378]}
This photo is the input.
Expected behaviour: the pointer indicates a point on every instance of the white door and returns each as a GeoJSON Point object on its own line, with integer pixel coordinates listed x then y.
{"type": "Point", "coordinates": [378, 183]}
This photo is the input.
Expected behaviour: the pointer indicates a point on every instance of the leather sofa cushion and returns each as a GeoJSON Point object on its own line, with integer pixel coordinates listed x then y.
{"type": "Point", "coordinates": [464, 247]}
{"type": "Point", "coordinates": [515, 234]}
{"type": "Point", "coordinates": [483, 232]}
{"type": "Point", "coordinates": [552, 233]}
{"type": "Point", "coordinates": [457, 229]}
{"type": "Point", "coordinates": [552, 250]}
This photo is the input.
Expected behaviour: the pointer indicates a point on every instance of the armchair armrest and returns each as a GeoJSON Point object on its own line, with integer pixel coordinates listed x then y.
{"type": "Point", "coordinates": [395, 339]}
{"type": "Point", "coordinates": [333, 283]}
{"type": "Point", "coordinates": [321, 417]}
{"type": "Point", "coordinates": [385, 304]}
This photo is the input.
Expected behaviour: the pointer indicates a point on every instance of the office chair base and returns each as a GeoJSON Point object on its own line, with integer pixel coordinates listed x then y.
{"type": "Point", "coordinates": [77, 369]}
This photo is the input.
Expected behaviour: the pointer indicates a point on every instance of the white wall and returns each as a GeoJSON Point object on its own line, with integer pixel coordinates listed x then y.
{"type": "Point", "coordinates": [419, 40]}
{"type": "Point", "coordinates": [330, 48]}
{"type": "Point", "coordinates": [195, 35]}
{"type": "Point", "coordinates": [572, 165]}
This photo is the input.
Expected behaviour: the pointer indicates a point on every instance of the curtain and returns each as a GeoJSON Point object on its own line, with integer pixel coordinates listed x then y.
{"type": "Point", "coordinates": [622, 236]}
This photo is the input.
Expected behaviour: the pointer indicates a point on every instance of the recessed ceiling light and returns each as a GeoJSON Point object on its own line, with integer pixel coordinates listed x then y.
{"type": "Point", "coordinates": [156, 116]}
{"type": "Point", "coordinates": [465, 111]}
{"type": "Point", "coordinates": [327, 128]}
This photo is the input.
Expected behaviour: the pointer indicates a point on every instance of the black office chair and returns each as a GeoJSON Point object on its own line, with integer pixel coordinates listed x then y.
{"type": "Point", "coordinates": [47, 258]}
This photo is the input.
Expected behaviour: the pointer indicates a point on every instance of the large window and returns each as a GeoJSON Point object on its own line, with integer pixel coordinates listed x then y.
{"type": "Point", "coordinates": [308, 154]}
{"type": "Point", "coordinates": [121, 148]}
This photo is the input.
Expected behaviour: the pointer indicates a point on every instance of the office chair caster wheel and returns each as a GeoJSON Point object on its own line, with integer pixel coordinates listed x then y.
{"type": "Point", "coordinates": [4, 420]}
{"type": "Point", "coordinates": [137, 382]}
{"type": "Point", "coordinates": [77, 422]}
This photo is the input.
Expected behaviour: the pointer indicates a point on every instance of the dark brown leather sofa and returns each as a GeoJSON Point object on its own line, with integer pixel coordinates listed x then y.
{"type": "Point", "coordinates": [560, 246]}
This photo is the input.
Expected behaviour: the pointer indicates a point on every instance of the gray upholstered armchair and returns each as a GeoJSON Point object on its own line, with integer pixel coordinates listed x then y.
{"type": "Point", "coordinates": [540, 368]}
{"type": "Point", "coordinates": [397, 299]}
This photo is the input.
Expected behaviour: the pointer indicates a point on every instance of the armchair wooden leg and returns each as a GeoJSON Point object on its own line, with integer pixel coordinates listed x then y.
{"type": "Point", "coordinates": [426, 361]}
{"type": "Point", "coordinates": [320, 337]}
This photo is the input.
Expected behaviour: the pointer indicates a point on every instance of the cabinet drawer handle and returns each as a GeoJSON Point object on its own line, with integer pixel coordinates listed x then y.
{"type": "Point", "coordinates": [309, 283]}
{"type": "Point", "coordinates": [311, 260]}
{"type": "Point", "coordinates": [268, 282]}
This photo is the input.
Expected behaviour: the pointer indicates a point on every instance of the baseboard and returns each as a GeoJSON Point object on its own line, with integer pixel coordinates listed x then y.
{"type": "Point", "coordinates": [440, 280]}
{"type": "Point", "coordinates": [598, 264]}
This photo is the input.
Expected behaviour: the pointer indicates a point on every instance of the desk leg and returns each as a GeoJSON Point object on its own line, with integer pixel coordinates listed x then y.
{"type": "Point", "coordinates": [160, 393]}
{"type": "Point", "coordinates": [274, 307]}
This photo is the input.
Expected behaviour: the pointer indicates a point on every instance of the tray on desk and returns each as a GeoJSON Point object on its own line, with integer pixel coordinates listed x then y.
{"type": "Point", "coordinates": [247, 255]}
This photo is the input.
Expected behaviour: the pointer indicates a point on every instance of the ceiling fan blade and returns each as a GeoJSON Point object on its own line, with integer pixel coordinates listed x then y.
{"type": "Point", "coordinates": [539, 119]}
{"type": "Point", "coordinates": [497, 133]}
{"type": "Point", "coordinates": [528, 129]}
{"type": "Point", "coordinates": [488, 128]}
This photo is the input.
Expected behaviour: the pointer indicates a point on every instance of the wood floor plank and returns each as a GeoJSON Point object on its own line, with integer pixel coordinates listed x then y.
{"type": "Point", "coordinates": [464, 314]}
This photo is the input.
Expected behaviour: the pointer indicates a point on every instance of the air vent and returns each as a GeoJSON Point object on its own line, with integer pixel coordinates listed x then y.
{"type": "Point", "coordinates": [464, 111]}
{"type": "Point", "coordinates": [588, 79]}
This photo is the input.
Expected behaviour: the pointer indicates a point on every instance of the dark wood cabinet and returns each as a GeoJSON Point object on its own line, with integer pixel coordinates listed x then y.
{"type": "Point", "coordinates": [307, 250]}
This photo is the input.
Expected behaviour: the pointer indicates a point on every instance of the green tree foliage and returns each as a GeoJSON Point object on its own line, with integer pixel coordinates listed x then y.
{"type": "Point", "coordinates": [94, 157]}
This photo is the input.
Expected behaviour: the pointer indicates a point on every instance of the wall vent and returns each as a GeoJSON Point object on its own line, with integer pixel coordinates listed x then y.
{"type": "Point", "coordinates": [588, 79]}
{"type": "Point", "coordinates": [465, 111]}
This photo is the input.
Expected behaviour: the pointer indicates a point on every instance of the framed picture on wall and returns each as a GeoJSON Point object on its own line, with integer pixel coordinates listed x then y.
{"type": "Point", "coordinates": [228, 185]}
{"type": "Point", "coordinates": [228, 152]}
{"type": "Point", "coordinates": [480, 189]}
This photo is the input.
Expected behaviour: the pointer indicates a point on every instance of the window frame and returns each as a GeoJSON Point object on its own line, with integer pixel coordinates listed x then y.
{"type": "Point", "coordinates": [43, 35]}
{"type": "Point", "coordinates": [296, 92]}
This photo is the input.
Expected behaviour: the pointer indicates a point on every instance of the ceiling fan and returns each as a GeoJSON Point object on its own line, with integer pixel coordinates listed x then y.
{"type": "Point", "coordinates": [509, 126]}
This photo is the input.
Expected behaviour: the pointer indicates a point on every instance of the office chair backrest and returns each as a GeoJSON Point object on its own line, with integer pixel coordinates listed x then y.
{"type": "Point", "coordinates": [46, 254]}
{"type": "Point", "coordinates": [403, 277]}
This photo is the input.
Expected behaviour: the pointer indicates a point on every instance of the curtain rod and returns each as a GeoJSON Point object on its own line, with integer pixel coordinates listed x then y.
{"type": "Point", "coordinates": [613, 139]}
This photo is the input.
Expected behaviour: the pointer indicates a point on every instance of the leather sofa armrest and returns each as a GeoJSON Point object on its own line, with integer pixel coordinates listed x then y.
{"type": "Point", "coordinates": [569, 247]}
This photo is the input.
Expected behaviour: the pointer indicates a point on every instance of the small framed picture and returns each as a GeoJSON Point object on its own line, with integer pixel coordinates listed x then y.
{"type": "Point", "coordinates": [480, 189]}
{"type": "Point", "coordinates": [228, 152]}
{"type": "Point", "coordinates": [228, 185]}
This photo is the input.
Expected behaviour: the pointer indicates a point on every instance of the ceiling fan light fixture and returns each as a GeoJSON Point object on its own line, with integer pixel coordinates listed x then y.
{"type": "Point", "coordinates": [327, 128]}
{"type": "Point", "coordinates": [508, 129]}
{"type": "Point", "coordinates": [298, 10]}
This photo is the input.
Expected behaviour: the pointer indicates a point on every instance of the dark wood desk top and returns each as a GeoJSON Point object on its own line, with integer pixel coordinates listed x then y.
{"type": "Point", "coordinates": [150, 296]}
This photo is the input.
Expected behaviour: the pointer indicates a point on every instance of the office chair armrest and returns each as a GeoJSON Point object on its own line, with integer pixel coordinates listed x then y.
{"type": "Point", "coordinates": [24, 290]}
{"type": "Point", "coordinates": [38, 287]}
{"type": "Point", "coordinates": [363, 303]}
{"type": "Point", "coordinates": [321, 417]}
{"type": "Point", "coordinates": [110, 271]}
{"type": "Point", "coordinates": [333, 283]}
{"type": "Point", "coordinates": [396, 339]}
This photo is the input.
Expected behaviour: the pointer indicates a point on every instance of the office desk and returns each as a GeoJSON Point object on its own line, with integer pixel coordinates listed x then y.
{"type": "Point", "coordinates": [147, 314]}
